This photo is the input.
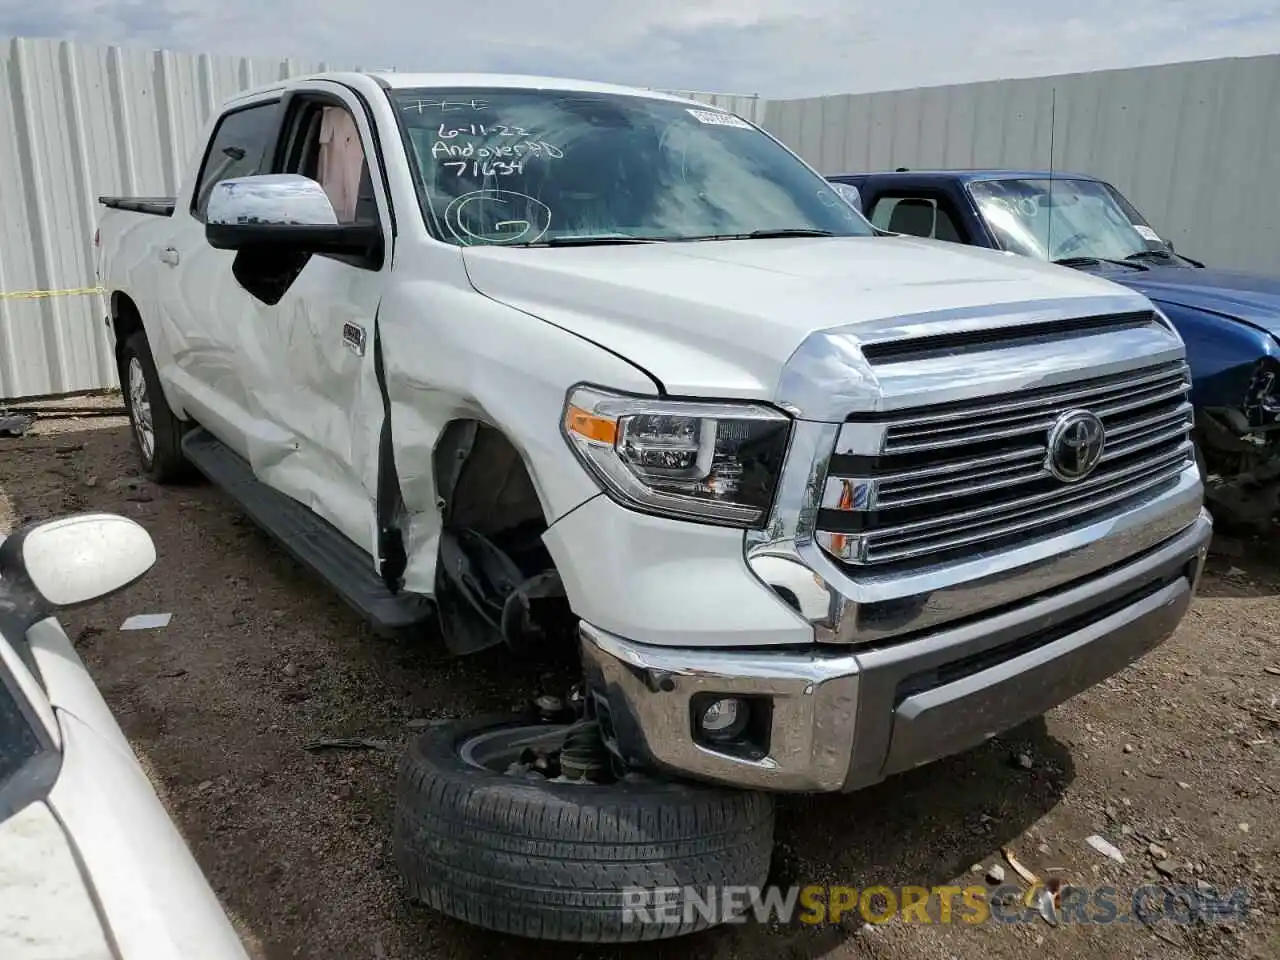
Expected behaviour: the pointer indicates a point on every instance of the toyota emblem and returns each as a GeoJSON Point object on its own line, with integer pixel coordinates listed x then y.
{"type": "Point", "coordinates": [1076, 441]}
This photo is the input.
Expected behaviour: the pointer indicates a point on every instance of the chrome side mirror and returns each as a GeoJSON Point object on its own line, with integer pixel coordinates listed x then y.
{"type": "Point", "coordinates": [272, 198]}
{"type": "Point", "coordinates": [286, 212]}
{"type": "Point", "coordinates": [75, 560]}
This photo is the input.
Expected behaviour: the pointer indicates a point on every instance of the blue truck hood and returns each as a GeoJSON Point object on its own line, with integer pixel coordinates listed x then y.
{"type": "Point", "coordinates": [1248, 297]}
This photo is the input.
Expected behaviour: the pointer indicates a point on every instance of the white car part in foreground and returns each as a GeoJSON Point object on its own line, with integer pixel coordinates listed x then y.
{"type": "Point", "coordinates": [91, 866]}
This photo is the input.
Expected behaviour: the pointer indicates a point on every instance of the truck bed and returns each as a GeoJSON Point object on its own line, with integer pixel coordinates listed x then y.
{"type": "Point", "coordinates": [156, 206]}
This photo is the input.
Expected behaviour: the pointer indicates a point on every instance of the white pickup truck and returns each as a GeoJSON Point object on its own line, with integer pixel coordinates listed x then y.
{"type": "Point", "coordinates": [561, 365]}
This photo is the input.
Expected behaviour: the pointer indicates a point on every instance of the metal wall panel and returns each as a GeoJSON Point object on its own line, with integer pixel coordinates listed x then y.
{"type": "Point", "coordinates": [78, 121]}
{"type": "Point", "coordinates": [1195, 146]}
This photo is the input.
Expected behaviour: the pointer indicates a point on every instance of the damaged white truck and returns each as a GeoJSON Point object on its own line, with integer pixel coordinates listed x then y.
{"type": "Point", "coordinates": [568, 366]}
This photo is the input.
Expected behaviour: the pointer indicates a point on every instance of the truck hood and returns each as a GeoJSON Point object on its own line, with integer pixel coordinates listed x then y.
{"type": "Point", "coordinates": [1248, 297]}
{"type": "Point", "coordinates": [721, 318]}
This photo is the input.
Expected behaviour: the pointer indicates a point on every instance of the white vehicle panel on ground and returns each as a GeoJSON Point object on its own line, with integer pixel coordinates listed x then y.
{"type": "Point", "coordinates": [68, 686]}
{"type": "Point", "coordinates": [45, 911]}
{"type": "Point", "coordinates": [157, 901]}
{"type": "Point", "coordinates": [91, 865]}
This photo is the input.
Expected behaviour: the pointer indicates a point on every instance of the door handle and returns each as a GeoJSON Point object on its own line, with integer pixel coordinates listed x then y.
{"type": "Point", "coordinates": [170, 256]}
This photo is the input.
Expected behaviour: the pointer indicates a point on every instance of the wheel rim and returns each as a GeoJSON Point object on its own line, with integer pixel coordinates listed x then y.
{"type": "Point", "coordinates": [562, 753]}
{"type": "Point", "coordinates": [497, 750]}
{"type": "Point", "coordinates": [140, 407]}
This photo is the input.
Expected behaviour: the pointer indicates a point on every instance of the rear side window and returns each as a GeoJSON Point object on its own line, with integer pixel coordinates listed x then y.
{"type": "Point", "coordinates": [916, 217]}
{"type": "Point", "coordinates": [239, 145]}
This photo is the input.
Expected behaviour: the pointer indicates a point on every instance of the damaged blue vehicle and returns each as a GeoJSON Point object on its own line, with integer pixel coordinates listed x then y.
{"type": "Point", "coordinates": [1230, 321]}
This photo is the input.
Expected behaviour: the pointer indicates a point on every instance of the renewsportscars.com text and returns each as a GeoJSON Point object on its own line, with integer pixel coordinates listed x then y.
{"type": "Point", "coordinates": [818, 904]}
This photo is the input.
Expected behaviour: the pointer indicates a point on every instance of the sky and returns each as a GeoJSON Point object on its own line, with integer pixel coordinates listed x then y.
{"type": "Point", "coordinates": [776, 48]}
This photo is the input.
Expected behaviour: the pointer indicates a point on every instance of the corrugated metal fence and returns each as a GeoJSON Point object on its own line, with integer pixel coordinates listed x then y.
{"type": "Point", "coordinates": [1195, 146]}
{"type": "Point", "coordinates": [78, 121]}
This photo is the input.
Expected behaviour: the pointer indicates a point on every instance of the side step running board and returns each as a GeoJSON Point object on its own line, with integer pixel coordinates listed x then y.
{"type": "Point", "coordinates": [312, 541]}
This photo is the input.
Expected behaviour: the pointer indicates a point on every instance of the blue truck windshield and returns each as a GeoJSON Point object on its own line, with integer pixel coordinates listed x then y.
{"type": "Point", "coordinates": [1059, 219]}
{"type": "Point", "coordinates": [521, 166]}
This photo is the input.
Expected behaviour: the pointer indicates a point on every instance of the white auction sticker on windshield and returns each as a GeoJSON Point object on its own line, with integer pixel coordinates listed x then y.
{"type": "Point", "coordinates": [1146, 233]}
{"type": "Point", "coordinates": [716, 118]}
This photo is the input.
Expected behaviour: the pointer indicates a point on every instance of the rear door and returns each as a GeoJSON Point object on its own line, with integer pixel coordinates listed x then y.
{"type": "Point", "coordinates": [205, 316]}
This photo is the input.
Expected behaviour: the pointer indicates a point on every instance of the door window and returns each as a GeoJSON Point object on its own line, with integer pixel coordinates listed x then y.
{"type": "Point", "coordinates": [236, 150]}
{"type": "Point", "coordinates": [324, 144]}
{"type": "Point", "coordinates": [916, 217]}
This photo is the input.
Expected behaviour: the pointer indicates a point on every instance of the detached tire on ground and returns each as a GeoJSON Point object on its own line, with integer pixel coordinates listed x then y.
{"type": "Point", "coordinates": [157, 432]}
{"type": "Point", "coordinates": [565, 861]}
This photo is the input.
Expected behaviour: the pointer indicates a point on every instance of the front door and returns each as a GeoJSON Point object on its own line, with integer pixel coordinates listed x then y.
{"type": "Point", "coordinates": [309, 341]}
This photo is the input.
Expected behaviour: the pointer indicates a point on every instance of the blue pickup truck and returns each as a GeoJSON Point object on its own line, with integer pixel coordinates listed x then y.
{"type": "Point", "coordinates": [1230, 321]}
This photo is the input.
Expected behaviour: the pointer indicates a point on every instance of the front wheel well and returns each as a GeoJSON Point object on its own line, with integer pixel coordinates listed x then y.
{"type": "Point", "coordinates": [482, 480]}
{"type": "Point", "coordinates": [491, 550]}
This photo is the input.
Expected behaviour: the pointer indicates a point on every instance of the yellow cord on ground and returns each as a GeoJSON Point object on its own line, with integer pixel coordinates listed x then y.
{"type": "Point", "coordinates": [46, 294]}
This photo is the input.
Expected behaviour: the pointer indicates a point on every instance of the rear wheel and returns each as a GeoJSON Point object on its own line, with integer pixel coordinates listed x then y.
{"type": "Point", "coordinates": [496, 826]}
{"type": "Point", "coordinates": [157, 432]}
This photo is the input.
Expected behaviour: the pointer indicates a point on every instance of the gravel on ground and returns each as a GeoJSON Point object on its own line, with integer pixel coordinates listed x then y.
{"type": "Point", "coordinates": [1175, 761]}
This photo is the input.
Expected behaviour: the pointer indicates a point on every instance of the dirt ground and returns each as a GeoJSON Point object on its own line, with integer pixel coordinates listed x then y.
{"type": "Point", "coordinates": [1182, 751]}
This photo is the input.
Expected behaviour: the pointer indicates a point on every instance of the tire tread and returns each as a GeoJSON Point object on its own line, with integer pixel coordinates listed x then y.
{"type": "Point", "coordinates": [549, 861]}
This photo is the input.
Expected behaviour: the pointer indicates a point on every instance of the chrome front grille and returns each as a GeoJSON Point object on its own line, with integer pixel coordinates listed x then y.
{"type": "Point", "coordinates": [975, 475]}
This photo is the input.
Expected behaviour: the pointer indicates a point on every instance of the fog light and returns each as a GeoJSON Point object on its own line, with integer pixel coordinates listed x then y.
{"type": "Point", "coordinates": [725, 719]}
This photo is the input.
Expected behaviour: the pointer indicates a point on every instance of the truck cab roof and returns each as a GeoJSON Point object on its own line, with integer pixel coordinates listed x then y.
{"type": "Point", "coordinates": [963, 176]}
{"type": "Point", "coordinates": [392, 80]}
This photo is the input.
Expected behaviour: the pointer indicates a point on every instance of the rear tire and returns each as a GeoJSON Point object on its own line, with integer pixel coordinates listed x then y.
{"type": "Point", "coordinates": [550, 860]}
{"type": "Point", "coordinates": [157, 432]}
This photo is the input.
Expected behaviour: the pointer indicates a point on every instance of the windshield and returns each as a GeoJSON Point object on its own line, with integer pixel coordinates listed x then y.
{"type": "Point", "coordinates": [1076, 218]}
{"type": "Point", "coordinates": [520, 167]}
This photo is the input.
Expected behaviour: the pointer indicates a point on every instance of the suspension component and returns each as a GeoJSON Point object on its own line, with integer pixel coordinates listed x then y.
{"type": "Point", "coordinates": [583, 756]}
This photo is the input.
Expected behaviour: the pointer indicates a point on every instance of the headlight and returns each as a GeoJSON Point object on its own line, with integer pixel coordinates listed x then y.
{"type": "Point", "coordinates": [713, 462]}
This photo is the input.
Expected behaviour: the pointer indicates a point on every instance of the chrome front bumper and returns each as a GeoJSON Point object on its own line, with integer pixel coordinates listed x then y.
{"type": "Point", "coordinates": [844, 718]}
